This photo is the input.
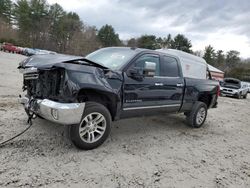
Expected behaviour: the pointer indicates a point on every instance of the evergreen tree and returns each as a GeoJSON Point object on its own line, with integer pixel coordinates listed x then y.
{"type": "Point", "coordinates": [108, 37]}
{"type": "Point", "coordinates": [147, 41]}
{"type": "Point", "coordinates": [232, 58]}
{"type": "Point", "coordinates": [180, 42]}
{"type": "Point", "coordinates": [209, 55]}
{"type": "Point", "coordinates": [220, 58]}
{"type": "Point", "coordinates": [6, 10]}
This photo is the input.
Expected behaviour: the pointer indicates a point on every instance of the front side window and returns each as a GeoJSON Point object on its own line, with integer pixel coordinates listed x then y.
{"type": "Point", "coordinates": [150, 64]}
{"type": "Point", "coordinates": [170, 67]}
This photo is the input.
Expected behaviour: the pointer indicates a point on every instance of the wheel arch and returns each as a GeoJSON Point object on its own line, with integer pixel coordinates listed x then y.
{"type": "Point", "coordinates": [206, 98]}
{"type": "Point", "coordinates": [108, 99]}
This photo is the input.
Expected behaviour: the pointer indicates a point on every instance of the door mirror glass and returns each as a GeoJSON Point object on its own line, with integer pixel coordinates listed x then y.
{"type": "Point", "coordinates": [136, 73]}
{"type": "Point", "coordinates": [149, 69]}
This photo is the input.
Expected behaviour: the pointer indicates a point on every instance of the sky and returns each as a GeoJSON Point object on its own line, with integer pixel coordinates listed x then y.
{"type": "Point", "coordinates": [224, 24]}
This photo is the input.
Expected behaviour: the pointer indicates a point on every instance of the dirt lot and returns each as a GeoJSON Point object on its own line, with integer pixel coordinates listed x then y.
{"type": "Point", "coordinates": [159, 151]}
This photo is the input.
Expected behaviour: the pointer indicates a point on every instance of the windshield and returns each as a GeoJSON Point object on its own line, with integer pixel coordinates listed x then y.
{"type": "Point", "coordinates": [112, 58]}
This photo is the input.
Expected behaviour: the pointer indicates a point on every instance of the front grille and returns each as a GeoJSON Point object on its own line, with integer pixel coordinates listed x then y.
{"type": "Point", "coordinates": [228, 90]}
{"type": "Point", "coordinates": [30, 76]}
{"type": "Point", "coordinates": [44, 84]}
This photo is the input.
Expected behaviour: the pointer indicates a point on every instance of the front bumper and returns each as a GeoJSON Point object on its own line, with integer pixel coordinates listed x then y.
{"type": "Point", "coordinates": [231, 94]}
{"type": "Point", "coordinates": [61, 113]}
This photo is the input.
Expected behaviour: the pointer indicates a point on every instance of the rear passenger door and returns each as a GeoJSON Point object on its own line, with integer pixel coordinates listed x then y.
{"type": "Point", "coordinates": [160, 90]}
{"type": "Point", "coordinates": [172, 80]}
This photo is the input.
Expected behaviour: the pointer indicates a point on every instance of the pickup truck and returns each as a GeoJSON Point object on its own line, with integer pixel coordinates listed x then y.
{"type": "Point", "coordinates": [88, 93]}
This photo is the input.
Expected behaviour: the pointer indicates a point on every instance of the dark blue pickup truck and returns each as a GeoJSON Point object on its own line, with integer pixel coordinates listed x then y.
{"type": "Point", "coordinates": [88, 93]}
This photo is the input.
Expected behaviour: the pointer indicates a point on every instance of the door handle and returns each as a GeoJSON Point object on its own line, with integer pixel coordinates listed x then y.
{"type": "Point", "coordinates": [179, 85]}
{"type": "Point", "coordinates": [158, 84]}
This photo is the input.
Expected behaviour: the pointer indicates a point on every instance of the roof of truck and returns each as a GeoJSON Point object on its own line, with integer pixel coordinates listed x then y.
{"type": "Point", "coordinates": [183, 55]}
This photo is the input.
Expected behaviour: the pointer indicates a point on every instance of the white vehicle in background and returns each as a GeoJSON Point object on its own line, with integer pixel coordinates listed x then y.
{"type": "Point", "coordinates": [248, 86]}
{"type": "Point", "coordinates": [34, 51]}
{"type": "Point", "coordinates": [234, 88]}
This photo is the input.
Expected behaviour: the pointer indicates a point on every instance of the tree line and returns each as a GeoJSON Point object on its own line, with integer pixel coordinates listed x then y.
{"type": "Point", "coordinates": [229, 62]}
{"type": "Point", "coordinates": [36, 24]}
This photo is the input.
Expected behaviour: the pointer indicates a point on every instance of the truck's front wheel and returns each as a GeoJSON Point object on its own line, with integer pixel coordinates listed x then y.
{"type": "Point", "coordinates": [198, 115]}
{"type": "Point", "coordinates": [94, 127]}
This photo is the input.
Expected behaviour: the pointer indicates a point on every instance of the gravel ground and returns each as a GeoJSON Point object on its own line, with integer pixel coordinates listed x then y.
{"type": "Point", "coordinates": [158, 151]}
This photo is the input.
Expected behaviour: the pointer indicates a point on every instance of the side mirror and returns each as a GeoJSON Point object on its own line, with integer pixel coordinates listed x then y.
{"type": "Point", "coordinates": [136, 73]}
{"type": "Point", "coordinates": [149, 69]}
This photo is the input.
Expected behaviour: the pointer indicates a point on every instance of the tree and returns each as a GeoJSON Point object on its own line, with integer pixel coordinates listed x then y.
{"type": "Point", "coordinates": [108, 37]}
{"type": "Point", "coordinates": [132, 42]}
{"type": "Point", "coordinates": [180, 42]}
{"type": "Point", "coordinates": [39, 17]}
{"type": "Point", "coordinates": [6, 11]}
{"type": "Point", "coordinates": [198, 53]}
{"type": "Point", "coordinates": [209, 55]}
{"type": "Point", "coordinates": [220, 58]}
{"type": "Point", "coordinates": [31, 18]}
{"type": "Point", "coordinates": [166, 42]}
{"type": "Point", "coordinates": [147, 41]}
{"type": "Point", "coordinates": [232, 58]}
{"type": "Point", "coordinates": [56, 19]}
{"type": "Point", "coordinates": [23, 21]}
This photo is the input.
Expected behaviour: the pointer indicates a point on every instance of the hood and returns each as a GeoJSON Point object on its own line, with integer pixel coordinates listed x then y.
{"type": "Point", "coordinates": [49, 60]}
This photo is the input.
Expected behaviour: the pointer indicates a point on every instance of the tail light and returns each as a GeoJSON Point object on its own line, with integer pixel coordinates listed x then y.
{"type": "Point", "coordinates": [218, 90]}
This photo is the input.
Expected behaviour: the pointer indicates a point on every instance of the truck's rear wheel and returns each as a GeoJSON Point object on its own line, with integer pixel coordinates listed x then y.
{"type": "Point", "coordinates": [94, 127]}
{"type": "Point", "coordinates": [197, 115]}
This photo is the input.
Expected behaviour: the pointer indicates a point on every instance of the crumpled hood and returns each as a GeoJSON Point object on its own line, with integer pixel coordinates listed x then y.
{"type": "Point", "coordinates": [50, 60]}
{"type": "Point", "coordinates": [47, 60]}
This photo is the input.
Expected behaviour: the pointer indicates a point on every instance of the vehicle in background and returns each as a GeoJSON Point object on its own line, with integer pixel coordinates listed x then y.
{"type": "Point", "coordinates": [29, 51]}
{"type": "Point", "coordinates": [247, 85]}
{"type": "Point", "coordinates": [87, 93]}
{"type": "Point", "coordinates": [8, 47]}
{"type": "Point", "coordinates": [21, 49]}
{"type": "Point", "coordinates": [34, 51]}
{"type": "Point", "coordinates": [234, 88]}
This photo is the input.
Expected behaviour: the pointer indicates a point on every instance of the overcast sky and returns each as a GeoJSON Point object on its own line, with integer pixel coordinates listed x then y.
{"type": "Point", "coordinates": [225, 24]}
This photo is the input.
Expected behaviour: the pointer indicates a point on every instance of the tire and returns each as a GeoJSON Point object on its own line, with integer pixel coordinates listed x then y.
{"type": "Point", "coordinates": [238, 96]}
{"type": "Point", "coordinates": [245, 96]}
{"type": "Point", "coordinates": [93, 134]}
{"type": "Point", "coordinates": [198, 115]}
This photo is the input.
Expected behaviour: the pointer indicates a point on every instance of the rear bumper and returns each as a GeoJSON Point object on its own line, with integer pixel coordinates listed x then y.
{"type": "Point", "coordinates": [61, 113]}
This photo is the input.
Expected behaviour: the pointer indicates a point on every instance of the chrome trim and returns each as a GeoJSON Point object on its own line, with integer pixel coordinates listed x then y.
{"type": "Point", "coordinates": [23, 100]}
{"type": "Point", "coordinates": [174, 77]}
{"type": "Point", "coordinates": [30, 76]}
{"type": "Point", "coordinates": [148, 107]}
{"type": "Point", "coordinates": [179, 85]}
{"type": "Point", "coordinates": [158, 84]}
{"type": "Point", "coordinates": [28, 70]}
{"type": "Point", "coordinates": [67, 113]}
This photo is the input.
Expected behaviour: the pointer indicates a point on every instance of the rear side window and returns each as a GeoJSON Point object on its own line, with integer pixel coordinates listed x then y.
{"type": "Point", "coordinates": [169, 67]}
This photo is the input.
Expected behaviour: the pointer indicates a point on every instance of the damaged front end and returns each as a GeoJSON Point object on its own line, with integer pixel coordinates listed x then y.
{"type": "Point", "coordinates": [48, 96]}
{"type": "Point", "coordinates": [53, 86]}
